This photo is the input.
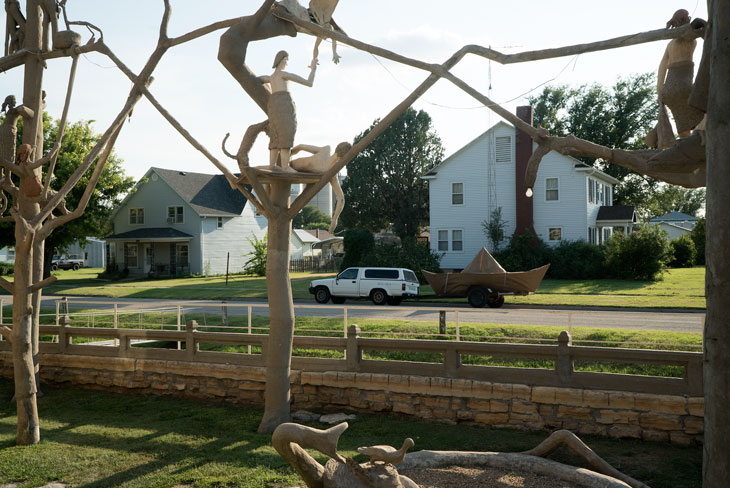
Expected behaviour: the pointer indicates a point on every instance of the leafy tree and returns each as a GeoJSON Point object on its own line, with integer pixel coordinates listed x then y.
{"type": "Point", "coordinates": [383, 186]}
{"type": "Point", "coordinates": [78, 140]}
{"type": "Point", "coordinates": [699, 238]}
{"type": "Point", "coordinates": [494, 228]}
{"type": "Point", "coordinates": [409, 254]}
{"type": "Point", "coordinates": [684, 252]}
{"type": "Point", "coordinates": [311, 218]}
{"type": "Point", "coordinates": [358, 243]}
{"type": "Point", "coordinates": [619, 116]}
{"type": "Point", "coordinates": [256, 265]}
{"type": "Point", "coordinates": [668, 198]}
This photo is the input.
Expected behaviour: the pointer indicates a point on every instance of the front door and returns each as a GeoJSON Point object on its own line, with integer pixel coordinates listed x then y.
{"type": "Point", "coordinates": [346, 283]}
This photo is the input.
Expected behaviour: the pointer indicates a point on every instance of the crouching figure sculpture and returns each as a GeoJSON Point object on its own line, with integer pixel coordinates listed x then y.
{"type": "Point", "coordinates": [339, 472]}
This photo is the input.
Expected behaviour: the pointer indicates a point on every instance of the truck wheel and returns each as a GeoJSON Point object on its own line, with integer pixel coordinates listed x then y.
{"type": "Point", "coordinates": [477, 297]}
{"type": "Point", "coordinates": [379, 297]}
{"type": "Point", "coordinates": [394, 300]}
{"type": "Point", "coordinates": [495, 300]}
{"type": "Point", "coordinates": [75, 267]}
{"type": "Point", "coordinates": [338, 300]}
{"type": "Point", "coordinates": [322, 294]}
{"type": "Point", "coordinates": [54, 267]}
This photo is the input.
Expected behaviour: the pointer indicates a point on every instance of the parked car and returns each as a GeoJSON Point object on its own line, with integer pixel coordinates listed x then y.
{"type": "Point", "coordinates": [67, 261]}
{"type": "Point", "coordinates": [381, 285]}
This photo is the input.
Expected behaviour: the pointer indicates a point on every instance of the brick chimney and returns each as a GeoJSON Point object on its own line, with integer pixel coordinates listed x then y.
{"type": "Point", "coordinates": [523, 151]}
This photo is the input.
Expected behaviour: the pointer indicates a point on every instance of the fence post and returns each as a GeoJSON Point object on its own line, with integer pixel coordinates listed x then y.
{"type": "Point", "coordinates": [564, 363]}
{"type": "Point", "coordinates": [116, 322]}
{"type": "Point", "coordinates": [58, 316]}
{"type": "Point", "coordinates": [442, 322]}
{"type": "Point", "coordinates": [353, 354]}
{"type": "Point", "coordinates": [345, 319]}
{"type": "Point", "coordinates": [224, 312]}
{"type": "Point", "coordinates": [62, 338]}
{"type": "Point", "coordinates": [191, 345]}
{"type": "Point", "coordinates": [452, 360]}
{"type": "Point", "coordinates": [64, 305]}
{"type": "Point", "coordinates": [2, 305]}
{"type": "Point", "coordinates": [249, 326]}
{"type": "Point", "coordinates": [693, 377]}
{"type": "Point", "coordinates": [458, 326]}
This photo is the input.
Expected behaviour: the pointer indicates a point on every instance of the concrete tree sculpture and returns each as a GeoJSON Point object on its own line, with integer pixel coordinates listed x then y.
{"type": "Point", "coordinates": [35, 209]}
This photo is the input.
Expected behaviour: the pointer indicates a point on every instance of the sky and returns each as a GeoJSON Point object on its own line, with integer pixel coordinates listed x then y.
{"type": "Point", "coordinates": [346, 98]}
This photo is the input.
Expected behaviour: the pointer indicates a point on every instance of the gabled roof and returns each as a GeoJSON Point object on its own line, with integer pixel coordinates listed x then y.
{"type": "Point", "coordinates": [304, 236]}
{"type": "Point", "coordinates": [209, 195]}
{"type": "Point", "coordinates": [149, 234]}
{"type": "Point", "coordinates": [674, 217]}
{"type": "Point", "coordinates": [320, 234]}
{"type": "Point", "coordinates": [617, 212]}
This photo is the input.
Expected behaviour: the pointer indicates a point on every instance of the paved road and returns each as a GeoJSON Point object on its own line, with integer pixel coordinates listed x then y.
{"type": "Point", "coordinates": [679, 321]}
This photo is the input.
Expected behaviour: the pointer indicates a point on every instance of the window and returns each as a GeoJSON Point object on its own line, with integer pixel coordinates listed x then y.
{"type": "Point", "coordinates": [551, 190]}
{"type": "Point", "coordinates": [457, 243]}
{"type": "Point", "coordinates": [181, 258]}
{"type": "Point", "coordinates": [174, 215]}
{"type": "Point", "coordinates": [457, 193]}
{"type": "Point", "coordinates": [11, 253]}
{"type": "Point", "coordinates": [606, 233]}
{"type": "Point", "coordinates": [348, 274]}
{"type": "Point", "coordinates": [131, 257]}
{"type": "Point", "coordinates": [410, 276]}
{"type": "Point", "coordinates": [136, 216]}
{"type": "Point", "coordinates": [503, 149]}
{"type": "Point", "coordinates": [599, 193]}
{"type": "Point", "coordinates": [443, 240]}
{"type": "Point", "coordinates": [609, 195]}
{"type": "Point", "coordinates": [390, 274]}
{"type": "Point", "coordinates": [220, 222]}
{"type": "Point", "coordinates": [555, 234]}
{"type": "Point", "coordinates": [591, 191]}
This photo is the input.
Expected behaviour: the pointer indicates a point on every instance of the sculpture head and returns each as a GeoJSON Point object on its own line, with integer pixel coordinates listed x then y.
{"type": "Point", "coordinates": [281, 57]}
{"type": "Point", "coordinates": [681, 17]}
{"type": "Point", "coordinates": [9, 103]}
{"type": "Point", "coordinates": [342, 149]}
{"type": "Point", "coordinates": [24, 154]}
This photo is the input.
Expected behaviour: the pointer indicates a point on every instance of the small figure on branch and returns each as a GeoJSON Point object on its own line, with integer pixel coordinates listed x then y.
{"type": "Point", "coordinates": [674, 84]}
{"type": "Point", "coordinates": [281, 109]}
{"type": "Point", "coordinates": [14, 27]}
{"type": "Point", "coordinates": [320, 13]}
{"type": "Point", "coordinates": [320, 161]}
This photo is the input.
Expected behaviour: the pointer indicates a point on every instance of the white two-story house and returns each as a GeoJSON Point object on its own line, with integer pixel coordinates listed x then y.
{"type": "Point", "coordinates": [571, 200]}
{"type": "Point", "coordinates": [176, 222]}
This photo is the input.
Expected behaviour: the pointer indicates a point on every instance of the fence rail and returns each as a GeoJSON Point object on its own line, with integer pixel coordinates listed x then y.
{"type": "Point", "coordinates": [120, 343]}
{"type": "Point", "coordinates": [315, 264]}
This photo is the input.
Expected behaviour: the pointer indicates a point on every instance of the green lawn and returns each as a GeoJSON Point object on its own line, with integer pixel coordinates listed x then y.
{"type": "Point", "coordinates": [98, 439]}
{"type": "Point", "coordinates": [679, 288]}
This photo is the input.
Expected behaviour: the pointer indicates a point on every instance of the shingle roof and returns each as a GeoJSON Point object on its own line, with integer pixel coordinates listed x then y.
{"type": "Point", "coordinates": [674, 217]}
{"type": "Point", "coordinates": [616, 212]}
{"type": "Point", "coordinates": [150, 233]}
{"type": "Point", "coordinates": [207, 194]}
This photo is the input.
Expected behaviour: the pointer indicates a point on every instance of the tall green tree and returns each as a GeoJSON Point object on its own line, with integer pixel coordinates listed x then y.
{"type": "Point", "coordinates": [383, 187]}
{"type": "Point", "coordinates": [619, 116]}
{"type": "Point", "coordinates": [78, 140]}
{"type": "Point", "coordinates": [311, 218]}
{"type": "Point", "coordinates": [669, 198]}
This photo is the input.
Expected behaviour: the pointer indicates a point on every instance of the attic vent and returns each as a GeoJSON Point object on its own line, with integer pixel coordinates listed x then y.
{"type": "Point", "coordinates": [503, 149]}
{"type": "Point", "coordinates": [182, 173]}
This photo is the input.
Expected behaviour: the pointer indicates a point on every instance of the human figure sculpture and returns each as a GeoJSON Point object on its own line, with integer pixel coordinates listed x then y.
{"type": "Point", "coordinates": [289, 440]}
{"type": "Point", "coordinates": [674, 83]}
{"type": "Point", "coordinates": [320, 161]}
{"type": "Point", "coordinates": [319, 12]}
{"type": "Point", "coordinates": [9, 129]}
{"type": "Point", "coordinates": [281, 109]}
{"type": "Point", "coordinates": [14, 27]}
{"type": "Point", "coordinates": [61, 39]}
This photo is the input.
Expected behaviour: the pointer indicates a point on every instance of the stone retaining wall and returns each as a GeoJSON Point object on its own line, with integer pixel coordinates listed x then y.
{"type": "Point", "coordinates": [662, 418]}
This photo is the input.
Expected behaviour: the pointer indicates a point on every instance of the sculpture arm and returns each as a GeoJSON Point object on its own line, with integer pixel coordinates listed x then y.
{"type": "Point", "coordinates": [308, 148]}
{"type": "Point", "coordinates": [298, 79]}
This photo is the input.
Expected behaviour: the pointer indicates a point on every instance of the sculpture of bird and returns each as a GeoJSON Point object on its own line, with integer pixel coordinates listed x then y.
{"type": "Point", "coordinates": [387, 454]}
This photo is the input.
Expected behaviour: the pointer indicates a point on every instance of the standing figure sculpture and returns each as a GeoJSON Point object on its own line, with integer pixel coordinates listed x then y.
{"type": "Point", "coordinates": [14, 27]}
{"type": "Point", "coordinates": [281, 109]}
{"type": "Point", "coordinates": [674, 82]}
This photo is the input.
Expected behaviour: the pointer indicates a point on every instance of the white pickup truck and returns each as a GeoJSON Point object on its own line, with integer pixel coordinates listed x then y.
{"type": "Point", "coordinates": [381, 285]}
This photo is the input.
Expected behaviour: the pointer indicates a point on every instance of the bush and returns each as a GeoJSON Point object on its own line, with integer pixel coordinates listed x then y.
{"type": "Point", "coordinates": [524, 252]}
{"type": "Point", "coordinates": [642, 255]}
{"type": "Point", "coordinates": [698, 237]}
{"type": "Point", "coordinates": [357, 243]}
{"type": "Point", "coordinates": [256, 265]}
{"type": "Point", "coordinates": [683, 251]}
{"type": "Point", "coordinates": [410, 254]}
{"type": "Point", "coordinates": [576, 260]}
{"type": "Point", "coordinates": [6, 268]}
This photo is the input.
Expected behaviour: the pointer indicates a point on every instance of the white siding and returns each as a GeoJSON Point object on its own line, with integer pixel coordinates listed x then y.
{"type": "Point", "coordinates": [469, 166]}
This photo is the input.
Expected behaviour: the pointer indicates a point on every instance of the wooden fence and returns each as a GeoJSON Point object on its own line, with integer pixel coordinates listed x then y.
{"type": "Point", "coordinates": [119, 343]}
{"type": "Point", "coordinates": [315, 264]}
